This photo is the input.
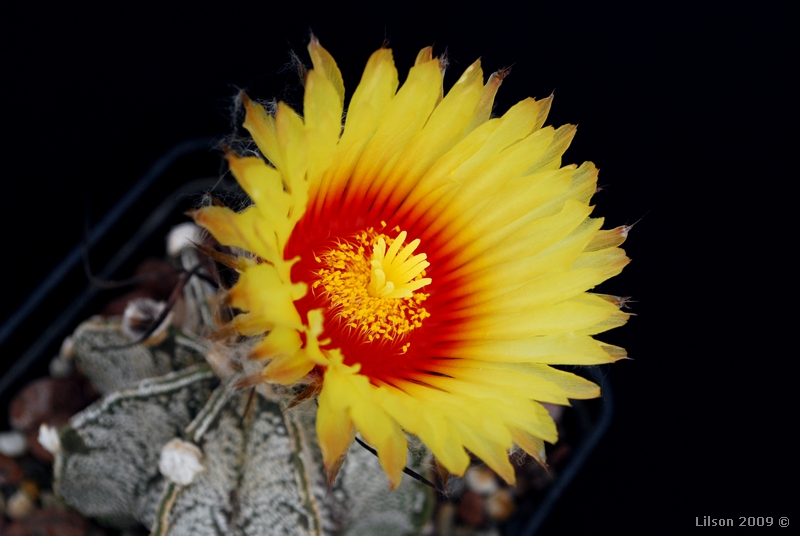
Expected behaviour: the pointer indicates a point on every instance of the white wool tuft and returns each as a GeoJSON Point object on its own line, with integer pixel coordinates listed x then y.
{"type": "Point", "coordinates": [181, 237]}
{"type": "Point", "coordinates": [48, 438]}
{"type": "Point", "coordinates": [180, 461]}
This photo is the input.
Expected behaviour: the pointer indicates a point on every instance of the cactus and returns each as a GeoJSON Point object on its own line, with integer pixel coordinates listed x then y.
{"type": "Point", "coordinates": [173, 445]}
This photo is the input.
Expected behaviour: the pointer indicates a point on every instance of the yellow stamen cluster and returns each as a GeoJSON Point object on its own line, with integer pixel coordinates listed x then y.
{"type": "Point", "coordinates": [372, 288]}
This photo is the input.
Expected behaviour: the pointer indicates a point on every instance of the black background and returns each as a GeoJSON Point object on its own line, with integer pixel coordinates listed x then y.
{"type": "Point", "coordinates": [676, 106]}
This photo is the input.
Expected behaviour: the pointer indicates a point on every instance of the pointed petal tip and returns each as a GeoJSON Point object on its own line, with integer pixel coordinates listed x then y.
{"type": "Point", "coordinates": [314, 46]}
{"type": "Point", "coordinates": [244, 100]}
{"type": "Point", "coordinates": [444, 476]}
{"type": "Point", "coordinates": [224, 259]}
{"type": "Point", "coordinates": [249, 381]}
{"type": "Point", "coordinates": [226, 331]}
{"type": "Point", "coordinates": [502, 73]}
{"type": "Point", "coordinates": [310, 391]}
{"type": "Point", "coordinates": [332, 470]}
{"type": "Point", "coordinates": [425, 55]}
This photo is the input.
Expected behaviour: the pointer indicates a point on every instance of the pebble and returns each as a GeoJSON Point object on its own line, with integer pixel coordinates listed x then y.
{"type": "Point", "coordinates": [19, 505]}
{"type": "Point", "coordinates": [30, 488]}
{"type": "Point", "coordinates": [500, 506]}
{"type": "Point", "coordinates": [43, 399]}
{"type": "Point", "coordinates": [161, 278]}
{"type": "Point", "coordinates": [470, 508]}
{"type": "Point", "coordinates": [13, 444]}
{"type": "Point", "coordinates": [10, 471]}
{"type": "Point", "coordinates": [32, 405]}
{"type": "Point", "coordinates": [481, 480]}
{"type": "Point", "coordinates": [52, 522]}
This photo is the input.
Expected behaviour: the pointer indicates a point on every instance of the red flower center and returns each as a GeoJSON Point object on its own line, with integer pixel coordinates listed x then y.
{"type": "Point", "coordinates": [371, 287]}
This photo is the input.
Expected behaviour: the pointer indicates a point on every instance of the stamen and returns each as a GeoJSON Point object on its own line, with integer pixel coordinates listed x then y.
{"type": "Point", "coordinates": [375, 295]}
{"type": "Point", "coordinates": [393, 271]}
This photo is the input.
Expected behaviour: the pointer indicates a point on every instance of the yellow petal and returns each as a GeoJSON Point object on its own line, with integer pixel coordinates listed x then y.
{"type": "Point", "coordinates": [280, 341]}
{"type": "Point", "coordinates": [261, 292]}
{"type": "Point", "coordinates": [447, 124]}
{"type": "Point", "coordinates": [404, 118]}
{"type": "Point", "coordinates": [334, 426]}
{"type": "Point", "coordinates": [574, 315]}
{"type": "Point", "coordinates": [322, 108]}
{"type": "Point", "coordinates": [287, 370]}
{"type": "Point", "coordinates": [238, 229]}
{"type": "Point", "coordinates": [324, 63]}
{"type": "Point", "coordinates": [459, 243]}
{"type": "Point", "coordinates": [563, 349]}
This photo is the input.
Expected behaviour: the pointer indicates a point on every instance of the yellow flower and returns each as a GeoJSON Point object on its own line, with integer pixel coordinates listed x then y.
{"type": "Point", "coordinates": [422, 267]}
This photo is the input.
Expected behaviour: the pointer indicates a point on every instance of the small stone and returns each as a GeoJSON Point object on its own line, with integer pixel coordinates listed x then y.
{"type": "Point", "coordinates": [470, 508]}
{"type": "Point", "coordinates": [32, 405]}
{"type": "Point", "coordinates": [10, 471]}
{"type": "Point", "coordinates": [51, 523]}
{"type": "Point", "coordinates": [19, 505]}
{"type": "Point", "coordinates": [41, 399]}
{"type": "Point", "coordinates": [180, 461]}
{"type": "Point", "coordinates": [481, 480]}
{"type": "Point", "coordinates": [30, 488]}
{"type": "Point", "coordinates": [500, 506]}
{"type": "Point", "coordinates": [159, 278]}
{"type": "Point", "coordinates": [13, 444]}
